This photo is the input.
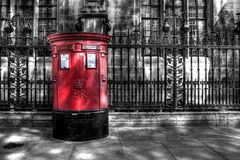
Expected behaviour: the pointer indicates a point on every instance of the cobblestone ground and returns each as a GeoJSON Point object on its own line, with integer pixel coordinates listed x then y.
{"type": "Point", "coordinates": [124, 143]}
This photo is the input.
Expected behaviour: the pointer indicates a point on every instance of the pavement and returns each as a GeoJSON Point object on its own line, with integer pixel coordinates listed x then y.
{"type": "Point", "coordinates": [124, 143]}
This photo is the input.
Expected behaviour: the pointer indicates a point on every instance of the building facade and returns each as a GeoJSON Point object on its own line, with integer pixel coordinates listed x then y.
{"type": "Point", "coordinates": [165, 55]}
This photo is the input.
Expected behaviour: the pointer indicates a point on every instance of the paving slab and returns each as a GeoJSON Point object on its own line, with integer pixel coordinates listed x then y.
{"type": "Point", "coordinates": [50, 149]}
{"type": "Point", "coordinates": [20, 154]}
{"type": "Point", "coordinates": [135, 134]}
{"type": "Point", "coordinates": [205, 132]}
{"type": "Point", "coordinates": [145, 150]}
{"type": "Point", "coordinates": [19, 142]}
{"type": "Point", "coordinates": [232, 156]}
{"type": "Point", "coordinates": [196, 153]}
{"type": "Point", "coordinates": [111, 152]}
{"type": "Point", "coordinates": [171, 132]}
{"type": "Point", "coordinates": [223, 146]}
{"type": "Point", "coordinates": [228, 132]}
{"type": "Point", "coordinates": [181, 142]}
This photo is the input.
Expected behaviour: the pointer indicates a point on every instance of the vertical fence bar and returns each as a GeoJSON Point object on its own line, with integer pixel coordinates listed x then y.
{"type": "Point", "coordinates": [128, 73]}
{"type": "Point", "coordinates": [27, 78]}
{"type": "Point", "coordinates": [113, 76]}
{"type": "Point", "coordinates": [206, 89]}
{"type": "Point", "coordinates": [188, 95]}
{"type": "Point", "coordinates": [191, 75]}
{"type": "Point", "coordinates": [198, 77]}
{"type": "Point", "coordinates": [158, 77]}
{"type": "Point", "coordinates": [165, 78]}
{"type": "Point", "coordinates": [4, 95]}
{"type": "Point", "coordinates": [161, 97]}
{"type": "Point", "coordinates": [206, 77]}
{"type": "Point", "coordinates": [117, 91]}
{"type": "Point", "coordinates": [184, 78]}
{"type": "Point", "coordinates": [124, 92]}
{"type": "Point", "coordinates": [8, 81]}
{"type": "Point", "coordinates": [31, 93]}
{"type": "Point", "coordinates": [1, 106]}
{"type": "Point", "coordinates": [153, 99]}
{"type": "Point", "coordinates": [195, 93]}
{"type": "Point", "coordinates": [202, 89]}
{"type": "Point", "coordinates": [139, 92]}
{"type": "Point", "coordinates": [238, 75]}
{"type": "Point", "coordinates": [132, 92]}
{"type": "Point", "coordinates": [49, 88]}
{"type": "Point", "coordinates": [44, 77]}
{"type": "Point", "coordinates": [212, 55]}
{"type": "Point", "coordinates": [150, 84]}
{"type": "Point", "coordinates": [35, 80]}
{"type": "Point", "coordinates": [219, 76]}
{"type": "Point", "coordinates": [233, 78]}
{"type": "Point", "coordinates": [39, 94]}
{"type": "Point", "coordinates": [216, 92]}
{"type": "Point", "coordinates": [136, 75]}
{"type": "Point", "coordinates": [135, 94]}
{"type": "Point", "coordinates": [147, 92]}
{"type": "Point", "coordinates": [143, 76]}
{"type": "Point", "coordinates": [226, 79]}
{"type": "Point", "coordinates": [121, 71]}
{"type": "Point", "coordinates": [109, 93]}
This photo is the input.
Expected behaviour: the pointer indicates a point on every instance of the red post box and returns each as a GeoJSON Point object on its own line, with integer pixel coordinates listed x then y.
{"type": "Point", "coordinates": [79, 68]}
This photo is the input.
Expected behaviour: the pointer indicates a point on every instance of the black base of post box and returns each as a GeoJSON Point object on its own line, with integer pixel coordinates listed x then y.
{"type": "Point", "coordinates": [80, 126]}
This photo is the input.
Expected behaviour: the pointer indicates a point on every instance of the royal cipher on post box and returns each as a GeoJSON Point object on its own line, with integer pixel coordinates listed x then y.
{"type": "Point", "coordinates": [80, 103]}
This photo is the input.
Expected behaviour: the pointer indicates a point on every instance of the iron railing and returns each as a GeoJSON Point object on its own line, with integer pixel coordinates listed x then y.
{"type": "Point", "coordinates": [146, 73]}
{"type": "Point", "coordinates": [25, 74]}
{"type": "Point", "coordinates": [165, 72]}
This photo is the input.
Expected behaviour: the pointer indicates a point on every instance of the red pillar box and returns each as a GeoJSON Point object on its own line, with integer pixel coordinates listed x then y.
{"type": "Point", "coordinates": [80, 103]}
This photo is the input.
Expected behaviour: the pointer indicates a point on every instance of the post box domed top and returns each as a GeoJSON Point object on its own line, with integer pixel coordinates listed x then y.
{"type": "Point", "coordinates": [78, 36]}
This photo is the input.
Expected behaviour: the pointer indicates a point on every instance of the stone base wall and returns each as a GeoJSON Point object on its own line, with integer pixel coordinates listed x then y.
{"type": "Point", "coordinates": [133, 119]}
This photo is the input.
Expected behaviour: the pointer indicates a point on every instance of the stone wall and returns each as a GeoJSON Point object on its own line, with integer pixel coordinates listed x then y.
{"type": "Point", "coordinates": [140, 119]}
{"type": "Point", "coordinates": [225, 13]}
{"type": "Point", "coordinates": [225, 18]}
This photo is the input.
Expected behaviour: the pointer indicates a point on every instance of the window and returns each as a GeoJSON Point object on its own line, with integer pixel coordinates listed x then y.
{"type": "Point", "coordinates": [47, 21]}
{"type": "Point", "coordinates": [174, 7]}
{"type": "Point", "coordinates": [197, 17]}
{"type": "Point", "coordinates": [150, 13]}
{"type": "Point", "coordinates": [4, 7]}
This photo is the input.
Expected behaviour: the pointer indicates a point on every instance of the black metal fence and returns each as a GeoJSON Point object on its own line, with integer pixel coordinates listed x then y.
{"type": "Point", "coordinates": [165, 72]}
{"type": "Point", "coordinates": [158, 72]}
{"type": "Point", "coordinates": [25, 74]}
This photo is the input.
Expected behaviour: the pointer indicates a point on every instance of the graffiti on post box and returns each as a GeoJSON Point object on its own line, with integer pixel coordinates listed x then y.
{"type": "Point", "coordinates": [79, 91]}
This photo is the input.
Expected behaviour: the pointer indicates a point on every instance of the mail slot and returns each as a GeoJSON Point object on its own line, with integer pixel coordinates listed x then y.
{"type": "Point", "coordinates": [79, 71]}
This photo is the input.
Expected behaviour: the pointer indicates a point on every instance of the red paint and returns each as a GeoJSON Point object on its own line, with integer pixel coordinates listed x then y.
{"type": "Point", "coordinates": [79, 88]}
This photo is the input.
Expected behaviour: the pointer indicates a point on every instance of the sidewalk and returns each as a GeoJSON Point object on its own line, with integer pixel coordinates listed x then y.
{"type": "Point", "coordinates": [125, 143]}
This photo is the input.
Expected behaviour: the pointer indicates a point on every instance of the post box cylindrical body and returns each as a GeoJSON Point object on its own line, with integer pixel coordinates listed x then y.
{"type": "Point", "coordinates": [79, 70]}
